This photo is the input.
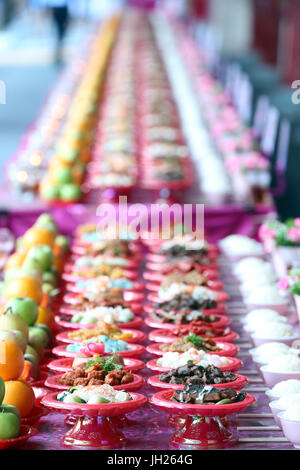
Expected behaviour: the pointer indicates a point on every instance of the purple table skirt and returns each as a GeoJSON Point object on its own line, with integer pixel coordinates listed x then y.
{"type": "Point", "coordinates": [219, 221]}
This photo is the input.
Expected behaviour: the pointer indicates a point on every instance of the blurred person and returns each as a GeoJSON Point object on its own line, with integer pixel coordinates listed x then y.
{"type": "Point", "coordinates": [61, 18]}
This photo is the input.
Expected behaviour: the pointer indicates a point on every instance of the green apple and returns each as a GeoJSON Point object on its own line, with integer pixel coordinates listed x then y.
{"type": "Point", "coordinates": [69, 192]}
{"type": "Point", "coordinates": [32, 264]}
{"type": "Point", "coordinates": [9, 425]}
{"type": "Point", "coordinates": [14, 336]}
{"type": "Point", "coordinates": [38, 339]}
{"type": "Point", "coordinates": [2, 390]}
{"type": "Point", "coordinates": [25, 307]}
{"type": "Point", "coordinates": [12, 321]}
{"type": "Point", "coordinates": [35, 368]}
{"type": "Point", "coordinates": [10, 409]}
{"type": "Point", "coordinates": [43, 254]}
{"type": "Point", "coordinates": [30, 350]}
{"type": "Point", "coordinates": [64, 175]}
{"type": "Point", "coordinates": [47, 330]}
{"type": "Point", "coordinates": [50, 193]}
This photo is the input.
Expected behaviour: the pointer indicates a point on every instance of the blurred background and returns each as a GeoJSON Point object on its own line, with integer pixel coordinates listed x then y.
{"type": "Point", "coordinates": [251, 46]}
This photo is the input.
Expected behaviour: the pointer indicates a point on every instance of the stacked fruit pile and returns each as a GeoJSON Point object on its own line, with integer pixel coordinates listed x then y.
{"type": "Point", "coordinates": [29, 290]}
{"type": "Point", "coordinates": [72, 152]}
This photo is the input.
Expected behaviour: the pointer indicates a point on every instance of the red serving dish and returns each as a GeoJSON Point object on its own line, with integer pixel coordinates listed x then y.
{"type": "Point", "coordinates": [221, 323]}
{"type": "Point", "coordinates": [137, 383]}
{"type": "Point", "coordinates": [205, 426]}
{"type": "Point", "coordinates": [93, 428]}
{"type": "Point", "coordinates": [219, 310]}
{"type": "Point", "coordinates": [26, 432]}
{"type": "Point", "coordinates": [69, 277]}
{"type": "Point", "coordinates": [65, 364]}
{"type": "Point", "coordinates": [213, 285]}
{"type": "Point", "coordinates": [37, 413]}
{"type": "Point", "coordinates": [166, 336]}
{"type": "Point", "coordinates": [159, 277]}
{"type": "Point", "coordinates": [65, 309]}
{"type": "Point", "coordinates": [130, 263]}
{"type": "Point", "coordinates": [135, 297]}
{"type": "Point", "coordinates": [220, 297]}
{"type": "Point", "coordinates": [234, 365]}
{"type": "Point", "coordinates": [136, 323]}
{"type": "Point", "coordinates": [160, 259]}
{"type": "Point", "coordinates": [227, 349]}
{"type": "Point", "coordinates": [240, 382]}
{"type": "Point", "coordinates": [71, 287]}
{"type": "Point", "coordinates": [82, 250]}
{"type": "Point", "coordinates": [138, 337]}
{"type": "Point", "coordinates": [136, 350]}
{"type": "Point", "coordinates": [169, 267]}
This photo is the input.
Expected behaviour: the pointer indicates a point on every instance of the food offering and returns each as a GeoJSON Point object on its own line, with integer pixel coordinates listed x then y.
{"type": "Point", "coordinates": [97, 371]}
{"type": "Point", "coordinates": [172, 360]}
{"type": "Point", "coordinates": [185, 343]}
{"type": "Point", "coordinates": [66, 364]}
{"type": "Point", "coordinates": [86, 334]}
{"type": "Point", "coordinates": [192, 374]}
{"type": "Point", "coordinates": [100, 344]}
{"type": "Point", "coordinates": [169, 335]}
{"type": "Point", "coordinates": [93, 318]}
{"type": "Point", "coordinates": [206, 413]}
{"type": "Point", "coordinates": [63, 181]}
{"type": "Point", "coordinates": [95, 407]}
{"type": "Point", "coordinates": [185, 318]}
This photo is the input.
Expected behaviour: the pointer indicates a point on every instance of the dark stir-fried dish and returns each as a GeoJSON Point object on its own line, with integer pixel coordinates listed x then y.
{"type": "Point", "coordinates": [191, 374]}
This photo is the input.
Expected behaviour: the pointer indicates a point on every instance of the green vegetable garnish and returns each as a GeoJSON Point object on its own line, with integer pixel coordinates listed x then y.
{"type": "Point", "coordinates": [104, 400]}
{"type": "Point", "coordinates": [107, 364]}
{"type": "Point", "coordinates": [225, 401]}
{"type": "Point", "coordinates": [196, 340]}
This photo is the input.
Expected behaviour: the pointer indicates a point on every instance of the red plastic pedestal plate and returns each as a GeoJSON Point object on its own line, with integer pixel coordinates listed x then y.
{"type": "Point", "coordinates": [226, 349]}
{"type": "Point", "coordinates": [135, 350]}
{"type": "Point", "coordinates": [65, 364]}
{"type": "Point", "coordinates": [26, 432]}
{"type": "Point", "coordinates": [240, 382]}
{"type": "Point", "coordinates": [233, 366]}
{"type": "Point", "coordinates": [137, 383]}
{"type": "Point", "coordinates": [203, 426]}
{"type": "Point", "coordinates": [37, 413]}
{"type": "Point", "coordinates": [94, 427]}
{"type": "Point", "coordinates": [137, 336]}
{"type": "Point", "coordinates": [166, 336]}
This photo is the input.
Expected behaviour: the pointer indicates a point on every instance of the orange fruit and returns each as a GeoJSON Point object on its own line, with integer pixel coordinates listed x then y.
{"type": "Point", "coordinates": [15, 261]}
{"type": "Point", "coordinates": [26, 373]}
{"type": "Point", "coordinates": [19, 393]}
{"type": "Point", "coordinates": [11, 360]}
{"type": "Point", "coordinates": [46, 317]}
{"type": "Point", "coordinates": [24, 287]}
{"type": "Point", "coordinates": [38, 236]}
